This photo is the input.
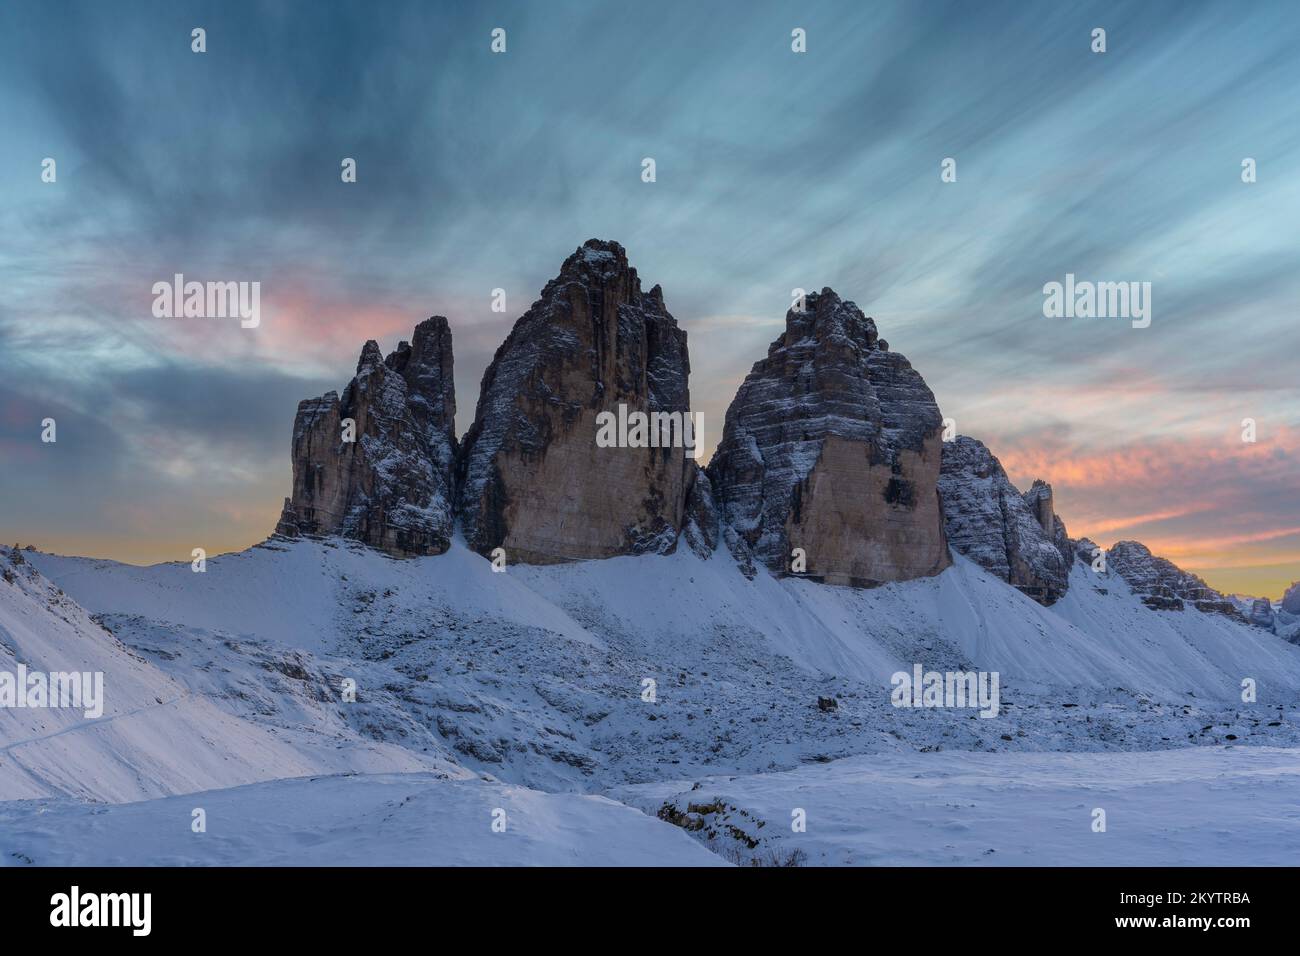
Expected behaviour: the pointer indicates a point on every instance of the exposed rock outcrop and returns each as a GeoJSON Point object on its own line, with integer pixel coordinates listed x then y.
{"type": "Point", "coordinates": [1261, 613]}
{"type": "Point", "coordinates": [533, 479]}
{"type": "Point", "coordinates": [701, 530]}
{"type": "Point", "coordinates": [1017, 537]}
{"type": "Point", "coordinates": [832, 446]}
{"type": "Point", "coordinates": [390, 487]}
{"type": "Point", "coordinates": [1042, 503]}
{"type": "Point", "coordinates": [1087, 551]}
{"type": "Point", "coordinates": [1291, 599]}
{"type": "Point", "coordinates": [1163, 585]}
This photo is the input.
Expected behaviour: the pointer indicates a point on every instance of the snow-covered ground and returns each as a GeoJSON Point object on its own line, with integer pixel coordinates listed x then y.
{"type": "Point", "coordinates": [1202, 806]}
{"type": "Point", "coordinates": [1194, 806]}
{"type": "Point", "coordinates": [367, 820]}
{"type": "Point", "coordinates": [536, 679]}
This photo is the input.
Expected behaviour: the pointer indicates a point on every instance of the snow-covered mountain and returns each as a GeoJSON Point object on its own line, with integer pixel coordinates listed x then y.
{"type": "Point", "coordinates": [645, 633]}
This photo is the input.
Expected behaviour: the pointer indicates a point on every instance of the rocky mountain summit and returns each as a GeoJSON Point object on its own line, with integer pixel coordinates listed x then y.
{"type": "Point", "coordinates": [1163, 585]}
{"type": "Point", "coordinates": [385, 478]}
{"type": "Point", "coordinates": [1017, 537]}
{"type": "Point", "coordinates": [533, 479]}
{"type": "Point", "coordinates": [831, 446]}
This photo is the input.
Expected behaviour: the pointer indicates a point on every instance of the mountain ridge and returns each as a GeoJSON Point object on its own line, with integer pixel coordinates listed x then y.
{"type": "Point", "coordinates": [830, 466]}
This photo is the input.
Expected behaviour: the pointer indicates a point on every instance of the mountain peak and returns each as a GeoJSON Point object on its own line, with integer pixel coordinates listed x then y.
{"type": "Point", "coordinates": [386, 479]}
{"type": "Point", "coordinates": [1291, 599]}
{"type": "Point", "coordinates": [824, 315]}
{"type": "Point", "coordinates": [533, 478]}
{"type": "Point", "coordinates": [1017, 537]}
{"type": "Point", "coordinates": [831, 447]}
{"type": "Point", "coordinates": [370, 356]}
{"type": "Point", "coordinates": [599, 259]}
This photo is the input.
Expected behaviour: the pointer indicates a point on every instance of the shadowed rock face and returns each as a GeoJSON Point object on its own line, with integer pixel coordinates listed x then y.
{"type": "Point", "coordinates": [1291, 599]}
{"type": "Point", "coordinates": [1163, 585]}
{"type": "Point", "coordinates": [1261, 613]}
{"type": "Point", "coordinates": [701, 530]}
{"type": "Point", "coordinates": [533, 479]}
{"type": "Point", "coordinates": [391, 487]}
{"type": "Point", "coordinates": [1017, 537]}
{"type": "Point", "coordinates": [832, 445]}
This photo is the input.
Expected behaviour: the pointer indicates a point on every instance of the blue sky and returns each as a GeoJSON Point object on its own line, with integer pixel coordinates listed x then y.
{"type": "Point", "coordinates": [775, 170]}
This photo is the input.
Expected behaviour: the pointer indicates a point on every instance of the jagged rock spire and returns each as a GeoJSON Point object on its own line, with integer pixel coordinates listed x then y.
{"type": "Point", "coordinates": [390, 487]}
{"type": "Point", "coordinates": [533, 479]}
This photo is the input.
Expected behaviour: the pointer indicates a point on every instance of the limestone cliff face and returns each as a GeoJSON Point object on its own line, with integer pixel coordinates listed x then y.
{"type": "Point", "coordinates": [1017, 537]}
{"type": "Point", "coordinates": [534, 481]}
{"type": "Point", "coordinates": [391, 486]}
{"type": "Point", "coordinates": [832, 445]}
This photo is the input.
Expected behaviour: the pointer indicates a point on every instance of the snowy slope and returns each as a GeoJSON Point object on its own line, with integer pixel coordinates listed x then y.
{"type": "Point", "coordinates": [303, 594]}
{"type": "Point", "coordinates": [156, 735]}
{"type": "Point", "coordinates": [507, 685]}
{"type": "Point", "coordinates": [1195, 806]}
{"type": "Point", "coordinates": [536, 675]}
{"type": "Point", "coordinates": [1205, 653]}
{"type": "Point", "coordinates": [290, 591]}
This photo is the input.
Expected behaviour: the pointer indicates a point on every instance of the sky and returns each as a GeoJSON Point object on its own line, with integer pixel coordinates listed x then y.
{"type": "Point", "coordinates": [775, 170]}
